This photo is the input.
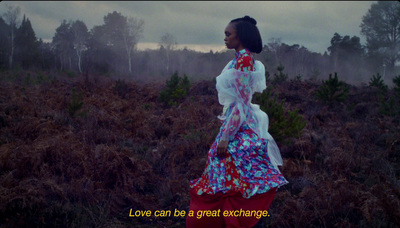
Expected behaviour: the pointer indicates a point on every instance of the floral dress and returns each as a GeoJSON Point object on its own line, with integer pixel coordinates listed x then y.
{"type": "Point", "coordinates": [247, 168]}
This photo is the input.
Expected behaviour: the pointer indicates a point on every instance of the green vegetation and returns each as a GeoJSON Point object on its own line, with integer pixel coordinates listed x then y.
{"type": "Point", "coordinates": [281, 77]}
{"type": "Point", "coordinates": [70, 74]}
{"type": "Point", "coordinates": [389, 103]}
{"type": "Point", "coordinates": [284, 125]}
{"type": "Point", "coordinates": [121, 88]}
{"type": "Point", "coordinates": [28, 80]}
{"type": "Point", "coordinates": [76, 104]}
{"type": "Point", "coordinates": [37, 79]}
{"type": "Point", "coordinates": [377, 81]}
{"type": "Point", "coordinates": [396, 81]}
{"type": "Point", "coordinates": [267, 77]}
{"type": "Point", "coordinates": [332, 90]}
{"type": "Point", "coordinates": [40, 78]}
{"type": "Point", "coordinates": [146, 106]}
{"type": "Point", "coordinates": [388, 108]}
{"type": "Point", "coordinates": [298, 77]}
{"type": "Point", "coordinates": [175, 90]}
{"type": "Point", "coordinates": [381, 14]}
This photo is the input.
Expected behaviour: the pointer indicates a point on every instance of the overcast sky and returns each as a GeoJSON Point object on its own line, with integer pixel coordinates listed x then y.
{"type": "Point", "coordinates": [200, 25]}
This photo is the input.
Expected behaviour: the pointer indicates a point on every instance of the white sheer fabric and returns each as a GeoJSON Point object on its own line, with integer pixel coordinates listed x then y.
{"type": "Point", "coordinates": [238, 87]}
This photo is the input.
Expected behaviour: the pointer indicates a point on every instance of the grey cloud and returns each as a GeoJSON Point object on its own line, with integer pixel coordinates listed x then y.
{"type": "Point", "coordinates": [308, 23]}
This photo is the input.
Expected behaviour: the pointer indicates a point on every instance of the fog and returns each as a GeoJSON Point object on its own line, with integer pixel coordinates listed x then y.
{"type": "Point", "coordinates": [111, 48]}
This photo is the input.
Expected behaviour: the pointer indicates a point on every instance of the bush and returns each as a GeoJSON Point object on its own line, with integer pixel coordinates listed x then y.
{"type": "Point", "coordinates": [175, 90]}
{"type": "Point", "coordinates": [267, 77]}
{"type": "Point", "coordinates": [70, 74]}
{"type": "Point", "coordinates": [377, 81]}
{"type": "Point", "coordinates": [35, 79]}
{"type": "Point", "coordinates": [281, 77]}
{"type": "Point", "coordinates": [388, 107]}
{"type": "Point", "coordinates": [76, 104]}
{"type": "Point", "coordinates": [121, 88]}
{"type": "Point", "coordinates": [298, 77]}
{"type": "Point", "coordinates": [332, 90]}
{"type": "Point", "coordinates": [40, 78]}
{"type": "Point", "coordinates": [396, 81]}
{"type": "Point", "coordinates": [284, 125]}
{"type": "Point", "coordinates": [28, 80]}
{"type": "Point", "coordinates": [388, 104]}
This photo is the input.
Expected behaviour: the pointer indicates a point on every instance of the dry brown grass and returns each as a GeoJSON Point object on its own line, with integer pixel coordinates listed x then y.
{"type": "Point", "coordinates": [130, 152]}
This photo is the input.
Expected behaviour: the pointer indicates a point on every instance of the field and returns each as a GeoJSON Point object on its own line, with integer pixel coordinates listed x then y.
{"type": "Point", "coordinates": [84, 151]}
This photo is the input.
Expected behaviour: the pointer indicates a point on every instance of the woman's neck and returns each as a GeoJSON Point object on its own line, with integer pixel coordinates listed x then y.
{"type": "Point", "coordinates": [239, 48]}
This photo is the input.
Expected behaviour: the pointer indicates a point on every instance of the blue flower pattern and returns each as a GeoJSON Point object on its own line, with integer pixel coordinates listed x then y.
{"type": "Point", "coordinates": [247, 169]}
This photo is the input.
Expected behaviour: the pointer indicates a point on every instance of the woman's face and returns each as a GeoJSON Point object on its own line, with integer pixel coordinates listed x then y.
{"type": "Point", "coordinates": [231, 39]}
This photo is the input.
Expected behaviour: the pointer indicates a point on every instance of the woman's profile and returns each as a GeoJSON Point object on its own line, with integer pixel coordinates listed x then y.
{"type": "Point", "coordinates": [241, 173]}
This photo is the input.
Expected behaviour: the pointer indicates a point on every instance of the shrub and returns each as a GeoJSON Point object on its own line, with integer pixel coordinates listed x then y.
{"type": "Point", "coordinates": [281, 77]}
{"type": "Point", "coordinates": [40, 78]}
{"type": "Point", "coordinates": [76, 104]}
{"type": "Point", "coordinates": [52, 79]}
{"type": "Point", "coordinates": [185, 83]}
{"type": "Point", "coordinates": [298, 77]}
{"type": "Point", "coordinates": [388, 108]}
{"type": "Point", "coordinates": [70, 74]}
{"type": "Point", "coordinates": [267, 77]}
{"type": "Point", "coordinates": [121, 88]}
{"type": "Point", "coordinates": [146, 106]}
{"type": "Point", "coordinates": [284, 125]}
{"type": "Point", "coordinates": [396, 81]}
{"type": "Point", "coordinates": [332, 90]}
{"type": "Point", "coordinates": [28, 80]}
{"type": "Point", "coordinates": [387, 104]}
{"type": "Point", "coordinates": [377, 81]}
{"type": "Point", "coordinates": [175, 90]}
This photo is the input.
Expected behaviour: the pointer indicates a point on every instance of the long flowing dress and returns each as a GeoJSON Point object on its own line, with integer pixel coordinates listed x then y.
{"type": "Point", "coordinates": [249, 176]}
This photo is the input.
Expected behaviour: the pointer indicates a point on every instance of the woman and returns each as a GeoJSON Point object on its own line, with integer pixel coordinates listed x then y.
{"type": "Point", "coordinates": [242, 168]}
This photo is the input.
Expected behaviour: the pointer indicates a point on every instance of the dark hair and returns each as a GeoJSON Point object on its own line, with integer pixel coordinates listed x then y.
{"type": "Point", "coordinates": [248, 33]}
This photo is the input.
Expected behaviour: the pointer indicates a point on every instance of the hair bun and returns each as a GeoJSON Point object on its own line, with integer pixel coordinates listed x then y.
{"type": "Point", "coordinates": [249, 19]}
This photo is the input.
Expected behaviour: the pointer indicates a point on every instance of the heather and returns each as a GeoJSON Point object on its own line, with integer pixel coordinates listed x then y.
{"type": "Point", "coordinates": [83, 150]}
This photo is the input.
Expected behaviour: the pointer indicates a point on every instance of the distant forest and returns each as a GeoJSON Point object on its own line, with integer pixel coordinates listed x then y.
{"type": "Point", "coordinates": [111, 49]}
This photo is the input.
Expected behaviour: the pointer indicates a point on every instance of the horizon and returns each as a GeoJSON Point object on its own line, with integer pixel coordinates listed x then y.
{"type": "Point", "coordinates": [199, 25]}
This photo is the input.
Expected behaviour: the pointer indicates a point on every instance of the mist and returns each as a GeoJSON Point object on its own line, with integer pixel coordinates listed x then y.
{"type": "Point", "coordinates": [111, 48]}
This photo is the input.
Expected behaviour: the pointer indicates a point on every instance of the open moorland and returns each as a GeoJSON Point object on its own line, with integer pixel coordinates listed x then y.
{"type": "Point", "coordinates": [85, 151]}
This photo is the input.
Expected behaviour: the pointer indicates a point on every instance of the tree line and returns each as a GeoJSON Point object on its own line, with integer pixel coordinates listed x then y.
{"type": "Point", "coordinates": [111, 48]}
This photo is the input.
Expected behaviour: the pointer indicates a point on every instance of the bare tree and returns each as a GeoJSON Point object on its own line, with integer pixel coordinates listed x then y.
{"type": "Point", "coordinates": [169, 42]}
{"type": "Point", "coordinates": [273, 47]}
{"type": "Point", "coordinates": [11, 17]}
{"type": "Point", "coordinates": [81, 35]}
{"type": "Point", "coordinates": [131, 33]}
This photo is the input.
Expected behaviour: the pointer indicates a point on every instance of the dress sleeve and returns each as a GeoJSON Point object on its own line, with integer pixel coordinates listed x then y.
{"type": "Point", "coordinates": [237, 116]}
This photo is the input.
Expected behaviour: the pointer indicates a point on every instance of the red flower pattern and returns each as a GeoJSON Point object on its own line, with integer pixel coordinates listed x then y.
{"type": "Point", "coordinates": [247, 168]}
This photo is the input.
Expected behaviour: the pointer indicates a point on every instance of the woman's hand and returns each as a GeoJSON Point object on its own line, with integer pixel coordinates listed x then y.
{"type": "Point", "coordinates": [222, 151]}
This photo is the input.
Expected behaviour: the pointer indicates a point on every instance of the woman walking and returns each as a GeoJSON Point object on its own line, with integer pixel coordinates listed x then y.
{"type": "Point", "coordinates": [241, 173]}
